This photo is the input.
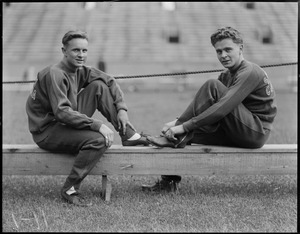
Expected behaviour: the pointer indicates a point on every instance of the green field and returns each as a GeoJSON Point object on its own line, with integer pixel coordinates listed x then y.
{"type": "Point", "coordinates": [203, 204]}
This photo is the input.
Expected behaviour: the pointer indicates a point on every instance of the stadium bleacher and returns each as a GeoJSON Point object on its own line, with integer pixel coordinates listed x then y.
{"type": "Point", "coordinates": [129, 33]}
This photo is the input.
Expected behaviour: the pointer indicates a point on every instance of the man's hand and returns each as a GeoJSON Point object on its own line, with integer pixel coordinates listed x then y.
{"type": "Point", "coordinates": [176, 130]}
{"type": "Point", "coordinates": [123, 120]}
{"type": "Point", "coordinates": [168, 125]}
{"type": "Point", "coordinates": [108, 135]}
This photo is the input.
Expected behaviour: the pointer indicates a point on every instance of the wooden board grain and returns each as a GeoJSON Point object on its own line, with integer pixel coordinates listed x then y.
{"type": "Point", "coordinates": [192, 160]}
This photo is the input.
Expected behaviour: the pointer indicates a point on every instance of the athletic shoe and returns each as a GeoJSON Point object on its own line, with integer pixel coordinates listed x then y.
{"type": "Point", "coordinates": [76, 199]}
{"type": "Point", "coordinates": [142, 141]}
{"type": "Point", "coordinates": [163, 141]}
{"type": "Point", "coordinates": [160, 141]}
{"type": "Point", "coordinates": [161, 185]}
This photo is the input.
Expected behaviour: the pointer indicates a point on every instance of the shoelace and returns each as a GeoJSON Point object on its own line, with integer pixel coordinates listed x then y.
{"type": "Point", "coordinates": [181, 140]}
{"type": "Point", "coordinates": [144, 134]}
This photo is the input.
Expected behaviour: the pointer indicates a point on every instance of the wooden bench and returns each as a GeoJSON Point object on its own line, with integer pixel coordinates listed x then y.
{"type": "Point", "coordinates": [192, 160]}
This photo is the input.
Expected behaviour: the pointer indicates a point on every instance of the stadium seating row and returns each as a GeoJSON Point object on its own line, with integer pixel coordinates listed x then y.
{"type": "Point", "coordinates": [131, 32]}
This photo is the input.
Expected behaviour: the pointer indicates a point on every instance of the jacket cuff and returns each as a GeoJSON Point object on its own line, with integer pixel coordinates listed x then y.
{"type": "Point", "coordinates": [121, 106]}
{"type": "Point", "coordinates": [95, 126]}
{"type": "Point", "coordinates": [188, 126]}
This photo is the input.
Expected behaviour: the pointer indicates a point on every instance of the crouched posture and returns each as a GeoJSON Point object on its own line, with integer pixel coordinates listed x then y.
{"type": "Point", "coordinates": [60, 109]}
{"type": "Point", "coordinates": [237, 109]}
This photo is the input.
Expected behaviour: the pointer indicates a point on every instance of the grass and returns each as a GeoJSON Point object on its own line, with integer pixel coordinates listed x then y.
{"type": "Point", "coordinates": [203, 204]}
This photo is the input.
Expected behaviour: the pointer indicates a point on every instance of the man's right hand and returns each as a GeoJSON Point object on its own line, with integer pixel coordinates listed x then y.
{"type": "Point", "coordinates": [108, 135]}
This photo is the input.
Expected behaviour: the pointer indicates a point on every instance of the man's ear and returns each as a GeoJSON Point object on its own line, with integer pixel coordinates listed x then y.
{"type": "Point", "coordinates": [241, 48]}
{"type": "Point", "coordinates": [63, 50]}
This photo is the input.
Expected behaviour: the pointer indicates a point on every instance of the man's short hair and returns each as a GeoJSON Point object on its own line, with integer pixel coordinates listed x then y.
{"type": "Point", "coordinates": [226, 33]}
{"type": "Point", "coordinates": [73, 34]}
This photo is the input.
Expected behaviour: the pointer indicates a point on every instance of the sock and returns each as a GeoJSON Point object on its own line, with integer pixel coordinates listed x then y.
{"type": "Point", "coordinates": [134, 137]}
{"type": "Point", "coordinates": [71, 191]}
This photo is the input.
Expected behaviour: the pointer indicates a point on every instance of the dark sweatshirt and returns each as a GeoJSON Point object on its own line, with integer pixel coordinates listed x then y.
{"type": "Point", "coordinates": [248, 84]}
{"type": "Point", "coordinates": [54, 98]}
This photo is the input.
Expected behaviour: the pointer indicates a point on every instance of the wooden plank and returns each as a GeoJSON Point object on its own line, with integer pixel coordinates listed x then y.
{"type": "Point", "coordinates": [194, 148]}
{"type": "Point", "coordinates": [192, 160]}
{"type": "Point", "coordinates": [199, 164]}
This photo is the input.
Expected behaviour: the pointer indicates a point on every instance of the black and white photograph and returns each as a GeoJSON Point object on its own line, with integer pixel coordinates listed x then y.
{"type": "Point", "coordinates": [154, 117]}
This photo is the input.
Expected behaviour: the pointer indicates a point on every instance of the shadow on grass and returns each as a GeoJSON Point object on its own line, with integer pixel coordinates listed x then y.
{"type": "Point", "coordinates": [48, 187]}
{"type": "Point", "coordinates": [241, 186]}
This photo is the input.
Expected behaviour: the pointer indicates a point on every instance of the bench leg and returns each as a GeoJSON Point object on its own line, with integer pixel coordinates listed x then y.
{"type": "Point", "coordinates": [106, 188]}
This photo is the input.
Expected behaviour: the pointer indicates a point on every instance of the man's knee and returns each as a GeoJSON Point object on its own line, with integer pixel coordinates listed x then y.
{"type": "Point", "coordinates": [95, 143]}
{"type": "Point", "coordinates": [97, 86]}
{"type": "Point", "coordinates": [215, 87]}
{"type": "Point", "coordinates": [214, 84]}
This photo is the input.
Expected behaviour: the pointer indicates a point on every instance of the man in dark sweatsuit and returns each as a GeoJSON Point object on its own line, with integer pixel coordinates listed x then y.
{"type": "Point", "coordinates": [60, 109]}
{"type": "Point", "coordinates": [237, 109]}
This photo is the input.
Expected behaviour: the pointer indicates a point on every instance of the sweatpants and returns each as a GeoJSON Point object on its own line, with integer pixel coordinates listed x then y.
{"type": "Point", "coordinates": [87, 145]}
{"type": "Point", "coordinates": [240, 128]}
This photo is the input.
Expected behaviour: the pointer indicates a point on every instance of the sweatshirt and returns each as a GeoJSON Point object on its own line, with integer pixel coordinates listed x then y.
{"type": "Point", "coordinates": [249, 85]}
{"type": "Point", "coordinates": [54, 98]}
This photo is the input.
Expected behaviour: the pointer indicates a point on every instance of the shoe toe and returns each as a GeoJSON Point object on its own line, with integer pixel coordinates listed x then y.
{"type": "Point", "coordinates": [160, 141]}
{"type": "Point", "coordinates": [79, 201]}
{"type": "Point", "coordinates": [149, 138]}
{"type": "Point", "coordinates": [141, 141]}
{"type": "Point", "coordinates": [159, 186]}
{"type": "Point", "coordinates": [75, 199]}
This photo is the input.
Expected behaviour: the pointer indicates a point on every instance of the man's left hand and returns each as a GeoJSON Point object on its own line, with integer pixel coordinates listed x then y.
{"type": "Point", "coordinates": [123, 120]}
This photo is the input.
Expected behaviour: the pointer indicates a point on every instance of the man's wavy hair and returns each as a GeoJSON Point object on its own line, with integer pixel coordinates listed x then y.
{"type": "Point", "coordinates": [226, 33]}
{"type": "Point", "coordinates": [73, 34]}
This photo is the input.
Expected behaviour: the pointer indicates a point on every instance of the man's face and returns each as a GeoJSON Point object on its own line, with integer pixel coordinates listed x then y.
{"type": "Point", "coordinates": [229, 53]}
{"type": "Point", "coordinates": [76, 52]}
